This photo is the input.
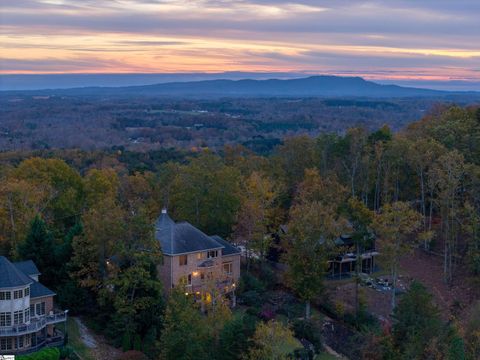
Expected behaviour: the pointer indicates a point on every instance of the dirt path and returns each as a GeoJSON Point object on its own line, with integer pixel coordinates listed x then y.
{"type": "Point", "coordinates": [99, 348]}
{"type": "Point", "coordinates": [455, 299]}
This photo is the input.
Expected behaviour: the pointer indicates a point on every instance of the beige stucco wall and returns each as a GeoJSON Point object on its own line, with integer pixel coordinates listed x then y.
{"type": "Point", "coordinates": [171, 271]}
{"type": "Point", "coordinates": [235, 259]}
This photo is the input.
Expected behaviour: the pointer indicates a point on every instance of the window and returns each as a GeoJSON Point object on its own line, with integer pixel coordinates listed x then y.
{"type": "Point", "coordinates": [189, 279]}
{"type": "Point", "coordinates": [40, 308]}
{"type": "Point", "coordinates": [27, 291]}
{"type": "Point", "coordinates": [18, 317]}
{"type": "Point", "coordinates": [5, 319]}
{"type": "Point", "coordinates": [5, 344]}
{"type": "Point", "coordinates": [228, 268]}
{"type": "Point", "coordinates": [5, 295]}
{"type": "Point", "coordinates": [27, 340]}
{"type": "Point", "coordinates": [202, 276]}
{"type": "Point", "coordinates": [27, 315]}
{"type": "Point", "coordinates": [19, 342]}
{"type": "Point", "coordinates": [32, 309]}
{"type": "Point", "coordinates": [18, 294]}
{"type": "Point", "coordinates": [212, 254]}
{"type": "Point", "coordinates": [183, 260]}
{"type": "Point", "coordinates": [200, 256]}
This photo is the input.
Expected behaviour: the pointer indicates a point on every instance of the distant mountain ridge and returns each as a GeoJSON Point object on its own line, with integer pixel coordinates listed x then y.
{"type": "Point", "coordinates": [313, 86]}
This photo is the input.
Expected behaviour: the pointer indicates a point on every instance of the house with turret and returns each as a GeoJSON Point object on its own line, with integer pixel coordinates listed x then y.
{"type": "Point", "coordinates": [28, 320]}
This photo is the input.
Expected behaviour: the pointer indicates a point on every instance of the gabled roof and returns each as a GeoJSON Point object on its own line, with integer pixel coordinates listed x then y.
{"type": "Point", "coordinates": [11, 276]}
{"type": "Point", "coordinates": [27, 267]}
{"type": "Point", "coordinates": [228, 249]}
{"type": "Point", "coordinates": [182, 237]}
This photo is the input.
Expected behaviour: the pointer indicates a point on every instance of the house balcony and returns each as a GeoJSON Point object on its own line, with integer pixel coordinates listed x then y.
{"type": "Point", "coordinates": [224, 285]}
{"type": "Point", "coordinates": [36, 324]}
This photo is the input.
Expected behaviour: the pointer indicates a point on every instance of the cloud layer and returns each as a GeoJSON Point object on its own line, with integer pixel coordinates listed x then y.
{"type": "Point", "coordinates": [394, 39]}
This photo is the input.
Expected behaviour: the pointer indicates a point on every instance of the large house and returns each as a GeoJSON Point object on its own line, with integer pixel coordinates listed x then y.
{"type": "Point", "coordinates": [204, 265]}
{"type": "Point", "coordinates": [27, 318]}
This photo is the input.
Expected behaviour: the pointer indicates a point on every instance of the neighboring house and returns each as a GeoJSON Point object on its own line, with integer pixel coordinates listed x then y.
{"type": "Point", "coordinates": [205, 265]}
{"type": "Point", "coordinates": [27, 318]}
{"type": "Point", "coordinates": [345, 263]}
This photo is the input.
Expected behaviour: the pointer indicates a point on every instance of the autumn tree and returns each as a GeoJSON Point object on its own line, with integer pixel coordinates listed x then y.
{"type": "Point", "coordinates": [272, 340]}
{"type": "Point", "coordinates": [360, 218]}
{"type": "Point", "coordinates": [184, 335]}
{"type": "Point", "coordinates": [294, 156]}
{"type": "Point", "coordinates": [421, 155]}
{"type": "Point", "coordinates": [396, 225]}
{"type": "Point", "coordinates": [449, 172]}
{"type": "Point", "coordinates": [64, 186]}
{"type": "Point", "coordinates": [206, 193]}
{"type": "Point", "coordinates": [314, 223]}
{"type": "Point", "coordinates": [102, 228]}
{"type": "Point", "coordinates": [256, 216]}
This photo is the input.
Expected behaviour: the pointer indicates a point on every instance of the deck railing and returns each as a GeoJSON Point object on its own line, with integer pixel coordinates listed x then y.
{"type": "Point", "coordinates": [36, 324]}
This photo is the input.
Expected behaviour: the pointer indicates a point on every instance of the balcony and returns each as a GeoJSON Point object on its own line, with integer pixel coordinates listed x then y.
{"type": "Point", "coordinates": [36, 324]}
{"type": "Point", "coordinates": [223, 285]}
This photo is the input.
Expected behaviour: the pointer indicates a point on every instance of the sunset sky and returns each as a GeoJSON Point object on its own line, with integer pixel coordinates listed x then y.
{"type": "Point", "coordinates": [431, 40]}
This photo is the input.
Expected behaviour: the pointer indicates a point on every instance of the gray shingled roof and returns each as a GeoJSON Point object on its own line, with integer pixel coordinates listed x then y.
{"type": "Point", "coordinates": [10, 276]}
{"type": "Point", "coordinates": [228, 249]}
{"type": "Point", "coordinates": [182, 237]}
{"type": "Point", "coordinates": [38, 290]}
{"type": "Point", "coordinates": [27, 267]}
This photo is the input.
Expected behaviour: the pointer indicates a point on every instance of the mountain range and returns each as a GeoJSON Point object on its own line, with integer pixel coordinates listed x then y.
{"type": "Point", "coordinates": [313, 86]}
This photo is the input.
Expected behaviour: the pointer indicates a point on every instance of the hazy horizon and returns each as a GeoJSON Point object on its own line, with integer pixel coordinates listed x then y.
{"type": "Point", "coordinates": [63, 81]}
{"type": "Point", "coordinates": [399, 41]}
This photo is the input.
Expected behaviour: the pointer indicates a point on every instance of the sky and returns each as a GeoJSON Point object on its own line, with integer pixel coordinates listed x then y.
{"type": "Point", "coordinates": [403, 40]}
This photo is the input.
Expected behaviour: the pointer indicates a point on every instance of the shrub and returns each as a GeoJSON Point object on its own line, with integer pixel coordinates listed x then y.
{"type": "Point", "coordinates": [248, 282]}
{"type": "Point", "coordinates": [252, 298]}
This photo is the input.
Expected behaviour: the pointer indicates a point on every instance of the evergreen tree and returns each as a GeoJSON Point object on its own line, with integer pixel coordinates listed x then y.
{"type": "Point", "coordinates": [38, 246]}
{"type": "Point", "coordinates": [184, 336]}
{"type": "Point", "coordinates": [417, 322]}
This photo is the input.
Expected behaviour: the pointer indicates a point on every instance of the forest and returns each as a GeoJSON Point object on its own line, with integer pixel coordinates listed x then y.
{"type": "Point", "coordinates": [415, 186]}
{"type": "Point", "coordinates": [142, 123]}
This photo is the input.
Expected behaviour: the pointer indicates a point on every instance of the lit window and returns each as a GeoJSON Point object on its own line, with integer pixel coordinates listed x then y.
{"type": "Point", "coordinates": [200, 256]}
{"type": "Point", "coordinates": [183, 260]}
{"type": "Point", "coordinates": [228, 268]}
